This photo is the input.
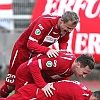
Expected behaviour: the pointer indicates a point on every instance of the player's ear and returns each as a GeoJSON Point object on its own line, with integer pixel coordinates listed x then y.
{"type": "Point", "coordinates": [78, 65]}
{"type": "Point", "coordinates": [61, 20]}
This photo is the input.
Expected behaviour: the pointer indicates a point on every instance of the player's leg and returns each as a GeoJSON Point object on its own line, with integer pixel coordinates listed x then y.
{"type": "Point", "coordinates": [15, 61]}
{"type": "Point", "coordinates": [26, 92]}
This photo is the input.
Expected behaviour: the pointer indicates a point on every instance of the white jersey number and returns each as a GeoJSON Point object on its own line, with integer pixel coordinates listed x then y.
{"type": "Point", "coordinates": [10, 78]}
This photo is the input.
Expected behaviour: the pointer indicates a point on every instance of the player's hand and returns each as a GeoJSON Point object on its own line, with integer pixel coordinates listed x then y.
{"type": "Point", "coordinates": [47, 89]}
{"type": "Point", "coordinates": [52, 53]}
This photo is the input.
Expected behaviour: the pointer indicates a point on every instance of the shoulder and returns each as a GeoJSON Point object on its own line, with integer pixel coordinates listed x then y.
{"type": "Point", "coordinates": [50, 18]}
{"type": "Point", "coordinates": [67, 55]}
{"type": "Point", "coordinates": [68, 87]}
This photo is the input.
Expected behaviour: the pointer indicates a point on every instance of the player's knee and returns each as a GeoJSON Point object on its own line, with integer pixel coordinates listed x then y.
{"type": "Point", "coordinates": [10, 88]}
{"type": "Point", "coordinates": [5, 90]}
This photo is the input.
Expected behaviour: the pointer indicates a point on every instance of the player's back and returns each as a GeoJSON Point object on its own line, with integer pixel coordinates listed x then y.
{"type": "Point", "coordinates": [60, 67]}
{"type": "Point", "coordinates": [67, 90]}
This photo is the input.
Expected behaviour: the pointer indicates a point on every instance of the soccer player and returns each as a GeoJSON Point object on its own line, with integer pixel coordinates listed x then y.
{"type": "Point", "coordinates": [64, 90]}
{"type": "Point", "coordinates": [41, 33]}
{"type": "Point", "coordinates": [42, 70]}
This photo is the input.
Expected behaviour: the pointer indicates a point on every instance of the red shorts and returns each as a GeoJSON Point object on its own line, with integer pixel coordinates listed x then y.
{"type": "Point", "coordinates": [16, 60]}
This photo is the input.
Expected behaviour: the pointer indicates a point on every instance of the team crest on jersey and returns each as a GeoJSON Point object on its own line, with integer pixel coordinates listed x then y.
{"type": "Point", "coordinates": [37, 32]}
{"type": "Point", "coordinates": [48, 63]}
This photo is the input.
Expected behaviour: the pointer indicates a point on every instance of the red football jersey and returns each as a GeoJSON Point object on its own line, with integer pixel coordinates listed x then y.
{"type": "Point", "coordinates": [45, 69]}
{"type": "Point", "coordinates": [65, 90]}
{"type": "Point", "coordinates": [36, 39]}
{"type": "Point", "coordinates": [40, 34]}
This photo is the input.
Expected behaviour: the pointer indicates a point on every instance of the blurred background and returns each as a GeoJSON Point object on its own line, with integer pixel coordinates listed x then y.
{"type": "Point", "coordinates": [16, 15]}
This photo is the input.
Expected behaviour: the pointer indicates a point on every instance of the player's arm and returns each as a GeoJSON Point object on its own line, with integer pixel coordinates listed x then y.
{"type": "Point", "coordinates": [35, 68]}
{"type": "Point", "coordinates": [63, 42]}
{"type": "Point", "coordinates": [39, 30]}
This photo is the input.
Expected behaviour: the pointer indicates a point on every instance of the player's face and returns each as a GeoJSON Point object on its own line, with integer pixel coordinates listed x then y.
{"type": "Point", "coordinates": [82, 72]}
{"type": "Point", "coordinates": [66, 27]}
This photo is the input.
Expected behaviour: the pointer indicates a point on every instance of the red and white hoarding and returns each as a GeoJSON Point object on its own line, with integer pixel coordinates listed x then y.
{"type": "Point", "coordinates": [86, 36]}
{"type": "Point", "coordinates": [6, 12]}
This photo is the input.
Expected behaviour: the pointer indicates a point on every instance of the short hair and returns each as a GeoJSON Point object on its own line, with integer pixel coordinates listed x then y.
{"type": "Point", "coordinates": [86, 59]}
{"type": "Point", "coordinates": [70, 16]}
{"type": "Point", "coordinates": [96, 94]}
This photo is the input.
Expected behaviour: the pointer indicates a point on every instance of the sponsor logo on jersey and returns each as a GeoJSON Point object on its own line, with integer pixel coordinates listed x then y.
{"type": "Point", "coordinates": [49, 64]}
{"type": "Point", "coordinates": [50, 39]}
{"type": "Point", "coordinates": [37, 32]}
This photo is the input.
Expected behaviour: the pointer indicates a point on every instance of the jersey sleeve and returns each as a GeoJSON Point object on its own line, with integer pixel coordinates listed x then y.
{"type": "Point", "coordinates": [63, 42]}
{"type": "Point", "coordinates": [33, 45]}
{"type": "Point", "coordinates": [40, 29]}
{"type": "Point", "coordinates": [39, 65]}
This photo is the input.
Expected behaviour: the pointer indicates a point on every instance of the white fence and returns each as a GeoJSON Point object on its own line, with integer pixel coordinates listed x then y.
{"type": "Point", "coordinates": [12, 22]}
{"type": "Point", "coordinates": [7, 41]}
{"type": "Point", "coordinates": [18, 22]}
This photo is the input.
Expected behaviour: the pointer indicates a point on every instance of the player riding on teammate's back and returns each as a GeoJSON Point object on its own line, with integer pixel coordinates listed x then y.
{"type": "Point", "coordinates": [65, 90]}
{"type": "Point", "coordinates": [41, 70]}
